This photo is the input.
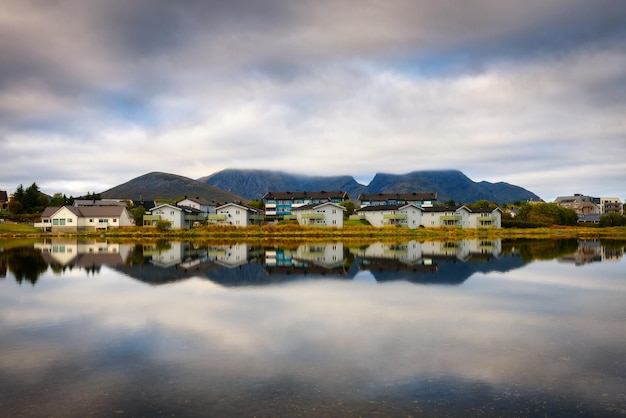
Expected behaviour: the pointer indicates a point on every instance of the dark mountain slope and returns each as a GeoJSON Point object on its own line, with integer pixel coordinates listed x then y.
{"type": "Point", "coordinates": [448, 184]}
{"type": "Point", "coordinates": [253, 184]}
{"type": "Point", "coordinates": [156, 185]}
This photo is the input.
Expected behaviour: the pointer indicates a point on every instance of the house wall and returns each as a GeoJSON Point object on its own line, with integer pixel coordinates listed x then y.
{"type": "Point", "coordinates": [474, 219]}
{"type": "Point", "coordinates": [205, 209]}
{"type": "Point", "coordinates": [235, 215]}
{"type": "Point", "coordinates": [414, 219]}
{"type": "Point", "coordinates": [172, 214]}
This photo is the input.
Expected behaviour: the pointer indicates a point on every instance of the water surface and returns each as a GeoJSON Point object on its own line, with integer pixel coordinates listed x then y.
{"type": "Point", "coordinates": [481, 328]}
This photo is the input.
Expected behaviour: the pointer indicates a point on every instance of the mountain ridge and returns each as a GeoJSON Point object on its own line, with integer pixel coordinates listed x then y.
{"type": "Point", "coordinates": [448, 184]}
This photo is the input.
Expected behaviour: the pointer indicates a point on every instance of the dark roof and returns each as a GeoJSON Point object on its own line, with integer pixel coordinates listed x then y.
{"type": "Point", "coordinates": [198, 201]}
{"type": "Point", "coordinates": [484, 210]}
{"type": "Point", "coordinates": [310, 195]}
{"type": "Point", "coordinates": [314, 205]}
{"type": "Point", "coordinates": [378, 197]}
{"type": "Point", "coordinates": [147, 204]}
{"type": "Point", "coordinates": [373, 208]}
{"type": "Point", "coordinates": [442, 208]}
{"type": "Point", "coordinates": [86, 211]}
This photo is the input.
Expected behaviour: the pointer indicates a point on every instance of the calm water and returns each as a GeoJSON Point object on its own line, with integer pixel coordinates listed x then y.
{"type": "Point", "coordinates": [473, 328]}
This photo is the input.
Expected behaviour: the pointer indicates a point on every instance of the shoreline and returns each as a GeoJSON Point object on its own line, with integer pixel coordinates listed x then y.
{"type": "Point", "coordinates": [298, 233]}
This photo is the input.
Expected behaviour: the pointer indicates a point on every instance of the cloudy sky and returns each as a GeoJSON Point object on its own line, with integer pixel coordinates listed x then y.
{"type": "Point", "coordinates": [95, 93]}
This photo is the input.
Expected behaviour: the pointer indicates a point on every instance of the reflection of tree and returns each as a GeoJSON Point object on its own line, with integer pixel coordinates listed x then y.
{"type": "Point", "coordinates": [26, 264]}
{"type": "Point", "coordinates": [546, 249]}
{"type": "Point", "coordinates": [613, 244]}
{"type": "Point", "coordinates": [136, 257]}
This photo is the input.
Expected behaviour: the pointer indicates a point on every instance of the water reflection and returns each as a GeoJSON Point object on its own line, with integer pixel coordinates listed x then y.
{"type": "Point", "coordinates": [243, 264]}
{"type": "Point", "coordinates": [517, 339]}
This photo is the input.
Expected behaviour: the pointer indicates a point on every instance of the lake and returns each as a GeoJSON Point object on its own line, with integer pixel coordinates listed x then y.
{"type": "Point", "coordinates": [469, 328]}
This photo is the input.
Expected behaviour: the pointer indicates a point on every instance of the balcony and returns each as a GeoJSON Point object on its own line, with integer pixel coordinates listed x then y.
{"type": "Point", "coordinates": [217, 217]}
{"type": "Point", "coordinates": [312, 216]}
{"type": "Point", "coordinates": [396, 216]}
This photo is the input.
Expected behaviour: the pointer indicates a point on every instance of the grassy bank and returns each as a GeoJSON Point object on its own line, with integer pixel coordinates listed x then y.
{"type": "Point", "coordinates": [297, 232]}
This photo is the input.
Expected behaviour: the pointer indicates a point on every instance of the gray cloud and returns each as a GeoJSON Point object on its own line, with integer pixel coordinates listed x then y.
{"type": "Point", "coordinates": [501, 90]}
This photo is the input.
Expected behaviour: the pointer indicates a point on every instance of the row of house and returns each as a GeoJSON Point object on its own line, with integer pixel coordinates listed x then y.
{"type": "Point", "coordinates": [420, 211]}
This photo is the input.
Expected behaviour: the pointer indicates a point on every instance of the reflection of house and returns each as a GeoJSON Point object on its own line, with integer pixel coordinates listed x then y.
{"type": "Point", "coordinates": [417, 199]}
{"type": "Point", "coordinates": [236, 215]}
{"type": "Point", "coordinates": [592, 251]}
{"type": "Point", "coordinates": [408, 216]}
{"type": "Point", "coordinates": [280, 204]}
{"type": "Point", "coordinates": [323, 255]}
{"type": "Point", "coordinates": [229, 255]}
{"type": "Point", "coordinates": [414, 253]}
{"type": "Point", "coordinates": [84, 253]}
{"type": "Point", "coordinates": [84, 218]}
{"type": "Point", "coordinates": [320, 214]}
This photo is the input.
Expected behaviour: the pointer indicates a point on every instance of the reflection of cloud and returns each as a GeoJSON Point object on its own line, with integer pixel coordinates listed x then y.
{"type": "Point", "coordinates": [543, 328]}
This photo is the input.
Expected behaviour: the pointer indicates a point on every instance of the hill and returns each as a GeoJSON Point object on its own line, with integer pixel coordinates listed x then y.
{"type": "Point", "coordinates": [164, 186]}
{"type": "Point", "coordinates": [448, 184]}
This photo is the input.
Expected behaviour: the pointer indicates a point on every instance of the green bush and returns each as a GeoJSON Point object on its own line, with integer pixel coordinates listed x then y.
{"type": "Point", "coordinates": [163, 225]}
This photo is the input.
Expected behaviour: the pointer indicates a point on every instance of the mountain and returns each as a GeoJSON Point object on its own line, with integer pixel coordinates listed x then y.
{"type": "Point", "coordinates": [448, 184]}
{"type": "Point", "coordinates": [166, 186]}
{"type": "Point", "coordinates": [253, 184]}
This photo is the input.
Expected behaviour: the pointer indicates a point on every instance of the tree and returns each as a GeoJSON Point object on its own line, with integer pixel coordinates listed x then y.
{"type": "Point", "coordinates": [548, 213]}
{"type": "Point", "coordinates": [163, 225]}
{"type": "Point", "coordinates": [57, 200]}
{"type": "Point", "coordinates": [138, 213]}
{"type": "Point", "coordinates": [349, 205]}
{"type": "Point", "coordinates": [256, 204]}
{"type": "Point", "coordinates": [612, 219]}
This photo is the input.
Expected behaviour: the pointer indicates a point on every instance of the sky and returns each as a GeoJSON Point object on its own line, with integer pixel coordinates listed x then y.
{"type": "Point", "coordinates": [95, 93]}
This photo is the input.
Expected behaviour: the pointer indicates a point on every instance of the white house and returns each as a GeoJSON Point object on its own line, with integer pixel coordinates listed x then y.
{"type": "Point", "coordinates": [407, 216]}
{"type": "Point", "coordinates": [485, 217]}
{"type": "Point", "coordinates": [178, 216]}
{"type": "Point", "coordinates": [203, 206]}
{"type": "Point", "coordinates": [320, 214]}
{"type": "Point", "coordinates": [174, 214]}
{"type": "Point", "coordinates": [457, 216]}
{"type": "Point", "coordinates": [236, 215]}
{"type": "Point", "coordinates": [84, 218]}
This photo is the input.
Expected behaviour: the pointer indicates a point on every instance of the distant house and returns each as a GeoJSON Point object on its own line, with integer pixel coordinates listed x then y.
{"type": "Point", "coordinates": [280, 204]}
{"type": "Point", "coordinates": [179, 217]}
{"type": "Point", "coordinates": [98, 202]}
{"type": "Point", "coordinates": [320, 214]}
{"type": "Point", "coordinates": [4, 200]}
{"type": "Point", "coordinates": [204, 206]}
{"type": "Point", "coordinates": [381, 199]}
{"type": "Point", "coordinates": [236, 215]}
{"type": "Point", "coordinates": [583, 205]}
{"type": "Point", "coordinates": [84, 218]}
{"type": "Point", "coordinates": [148, 205]}
{"type": "Point", "coordinates": [407, 216]}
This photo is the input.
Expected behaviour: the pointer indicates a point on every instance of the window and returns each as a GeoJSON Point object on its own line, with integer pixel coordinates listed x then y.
{"type": "Point", "coordinates": [91, 220]}
{"type": "Point", "coordinates": [61, 221]}
{"type": "Point", "coordinates": [114, 220]}
{"type": "Point", "coordinates": [69, 220]}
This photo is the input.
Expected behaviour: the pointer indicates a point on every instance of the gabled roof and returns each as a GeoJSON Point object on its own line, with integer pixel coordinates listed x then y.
{"type": "Point", "coordinates": [316, 205]}
{"type": "Point", "coordinates": [242, 206]}
{"type": "Point", "coordinates": [306, 195]}
{"type": "Point", "coordinates": [375, 208]}
{"type": "Point", "coordinates": [198, 201]}
{"type": "Point", "coordinates": [485, 210]}
{"type": "Point", "coordinates": [445, 208]}
{"type": "Point", "coordinates": [383, 197]}
{"type": "Point", "coordinates": [86, 211]}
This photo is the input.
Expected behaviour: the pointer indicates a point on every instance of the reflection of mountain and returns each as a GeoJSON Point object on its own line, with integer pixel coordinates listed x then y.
{"type": "Point", "coordinates": [156, 275]}
{"type": "Point", "coordinates": [437, 270]}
